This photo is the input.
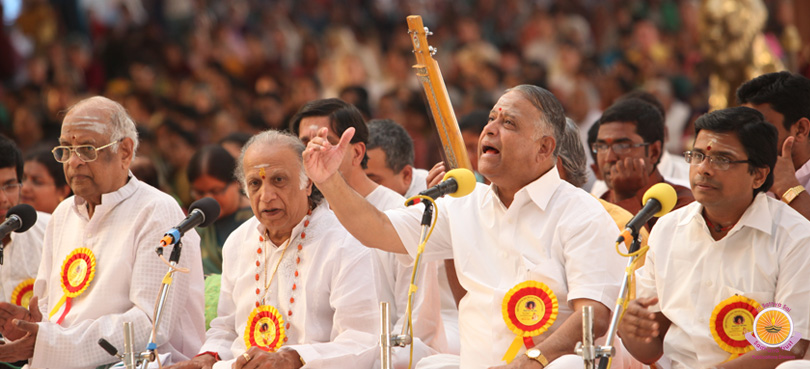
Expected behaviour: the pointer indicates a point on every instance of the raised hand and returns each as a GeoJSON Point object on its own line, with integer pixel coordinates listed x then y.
{"type": "Point", "coordinates": [784, 174]}
{"type": "Point", "coordinates": [321, 158]}
{"type": "Point", "coordinates": [628, 176]}
{"type": "Point", "coordinates": [435, 174]}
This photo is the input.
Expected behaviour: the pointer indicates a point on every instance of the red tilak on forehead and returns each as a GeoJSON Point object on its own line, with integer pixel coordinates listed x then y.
{"type": "Point", "coordinates": [709, 147]}
{"type": "Point", "coordinates": [499, 109]}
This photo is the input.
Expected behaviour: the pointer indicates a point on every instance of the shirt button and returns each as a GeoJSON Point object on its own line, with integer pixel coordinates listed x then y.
{"type": "Point", "coordinates": [89, 235]}
{"type": "Point", "coordinates": [708, 283]}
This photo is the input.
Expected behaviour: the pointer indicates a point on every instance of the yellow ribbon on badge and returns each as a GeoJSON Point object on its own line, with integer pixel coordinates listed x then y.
{"type": "Point", "coordinates": [23, 292]}
{"type": "Point", "coordinates": [529, 309]}
{"type": "Point", "coordinates": [731, 319]}
{"type": "Point", "coordinates": [78, 270]}
{"type": "Point", "coordinates": [265, 329]}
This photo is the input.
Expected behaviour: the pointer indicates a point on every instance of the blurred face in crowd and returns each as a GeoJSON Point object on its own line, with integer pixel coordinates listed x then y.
{"type": "Point", "coordinates": [226, 193]}
{"type": "Point", "coordinates": [89, 125]}
{"type": "Point", "coordinates": [39, 188]}
{"type": "Point", "coordinates": [10, 195]}
{"type": "Point", "coordinates": [380, 173]}
{"type": "Point", "coordinates": [622, 143]}
{"type": "Point", "coordinates": [273, 183]}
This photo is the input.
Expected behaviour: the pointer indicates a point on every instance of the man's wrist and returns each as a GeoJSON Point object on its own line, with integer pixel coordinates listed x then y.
{"type": "Point", "coordinates": [791, 193]}
{"type": "Point", "coordinates": [210, 354]}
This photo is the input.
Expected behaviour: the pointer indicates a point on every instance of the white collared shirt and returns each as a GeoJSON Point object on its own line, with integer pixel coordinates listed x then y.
{"type": "Point", "coordinates": [803, 175]}
{"type": "Point", "coordinates": [122, 234]}
{"type": "Point", "coordinates": [552, 233]}
{"type": "Point", "coordinates": [335, 317]}
{"type": "Point", "coordinates": [21, 257]}
{"type": "Point", "coordinates": [763, 257]}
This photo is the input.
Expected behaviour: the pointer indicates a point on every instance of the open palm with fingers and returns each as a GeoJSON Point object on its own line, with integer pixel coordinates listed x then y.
{"type": "Point", "coordinates": [321, 158]}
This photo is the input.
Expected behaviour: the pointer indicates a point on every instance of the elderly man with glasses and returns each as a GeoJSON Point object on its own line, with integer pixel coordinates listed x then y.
{"type": "Point", "coordinates": [99, 268]}
{"type": "Point", "coordinates": [628, 149]}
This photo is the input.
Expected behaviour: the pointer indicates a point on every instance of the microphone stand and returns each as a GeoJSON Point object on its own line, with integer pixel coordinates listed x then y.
{"type": "Point", "coordinates": [387, 339]}
{"type": "Point", "coordinates": [586, 348]}
{"type": "Point", "coordinates": [131, 359]}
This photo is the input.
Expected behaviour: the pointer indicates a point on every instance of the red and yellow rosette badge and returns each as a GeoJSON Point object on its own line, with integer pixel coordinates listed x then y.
{"type": "Point", "coordinates": [529, 309]}
{"type": "Point", "coordinates": [78, 271]}
{"type": "Point", "coordinates": [731, 320]}
{"type": "Point", "coordinates": [23, 292]}
{"type": "Point", "coordinates": [265, 329]}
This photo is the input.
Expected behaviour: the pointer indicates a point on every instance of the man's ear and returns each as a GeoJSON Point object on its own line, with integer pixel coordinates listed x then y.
{"type": "Point", "coordinates": [801, 130]}
{"type": "Point", "coordinates": [358, 153]}
{"type": "Point", "coordinates": [760, 175]}
{"type": "Point", "coordinates": [546, 148]}
{"type": "Point", "coordinates": [655, 151]}
{"type": "Point", "coordinates": [407, 174]}
{"type": "Point", "coordinates": [126, 151]}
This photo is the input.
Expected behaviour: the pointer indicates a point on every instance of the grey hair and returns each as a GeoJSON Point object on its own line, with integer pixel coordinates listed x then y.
{"type": "Point", "coordinates": [572, 154]}
{"type": "Point", "coordinates": [273, 138]}
{"type": "Point", "coordinates": [121, 124]}
{"type": "Point", "coordinates": [551, 112]}
{"type": "Point", "coordinates": [393, 140]}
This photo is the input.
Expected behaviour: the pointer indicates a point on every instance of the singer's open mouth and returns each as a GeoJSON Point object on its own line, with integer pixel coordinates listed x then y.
{"type": "Point", "coordinates": [489, 150]}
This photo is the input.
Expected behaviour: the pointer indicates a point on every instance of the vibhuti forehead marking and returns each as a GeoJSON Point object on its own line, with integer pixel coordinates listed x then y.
{"type": "Point", "coordinates": [261, 168]}
{"type": "Point", "coordinates": [89, 123]}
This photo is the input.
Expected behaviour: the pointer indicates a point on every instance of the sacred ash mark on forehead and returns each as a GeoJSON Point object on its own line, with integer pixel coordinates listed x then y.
{"type": "Point", "coordinates": [715, 143]}
{"type": "Point", "coordinates": [89, 123]}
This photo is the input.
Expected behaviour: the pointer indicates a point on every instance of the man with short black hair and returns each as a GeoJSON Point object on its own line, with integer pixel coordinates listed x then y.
{"type": "Point", "coordinates": [784, 99]}
{"type": "Point", "coordinates": [730, 252]}
{"type": "Point", "coordinates": [390, 152]}
{"type": "Point", "coordinates": [628, 148]}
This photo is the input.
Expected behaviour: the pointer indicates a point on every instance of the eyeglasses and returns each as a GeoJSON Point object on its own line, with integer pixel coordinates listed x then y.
{"type": "Point", "coordinates": [618, 147]}
{"type": "Point", "coordinates": [86, 153]}
{"type": "Point", "coordinates": [717, 162]}
{"type": "Point", "coordinates": [12, 189]}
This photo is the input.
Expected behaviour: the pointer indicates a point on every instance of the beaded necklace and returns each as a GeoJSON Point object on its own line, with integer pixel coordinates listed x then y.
{"type": "Point", "coordinates": [261, 293]}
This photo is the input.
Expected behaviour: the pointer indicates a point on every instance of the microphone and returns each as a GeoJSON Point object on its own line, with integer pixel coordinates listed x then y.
{"type": "Point", "coordinates": [202, 212]}
{"type": "Point", "coordinates": [19, 219]}
{"type": "Point", "coordinates": [657, 201]}
{"type": "Point", "coordinates": [458, 182]}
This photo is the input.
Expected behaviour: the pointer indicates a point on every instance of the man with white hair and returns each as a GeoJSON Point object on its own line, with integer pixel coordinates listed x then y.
{"type": "Point", "coordinates": [99, 268]}
{"type": "Point", "coordinates": [297, 289]}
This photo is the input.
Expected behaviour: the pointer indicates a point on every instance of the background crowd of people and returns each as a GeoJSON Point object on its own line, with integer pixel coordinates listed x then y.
{"type": "Point", "coordinates": [193, 73]}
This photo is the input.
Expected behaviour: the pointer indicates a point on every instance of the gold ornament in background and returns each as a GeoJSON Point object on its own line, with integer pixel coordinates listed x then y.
{"type": "Point", "coordinates": [733, 46]}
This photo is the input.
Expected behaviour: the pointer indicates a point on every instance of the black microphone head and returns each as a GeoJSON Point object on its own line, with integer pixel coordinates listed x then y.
{"type": "Point", "coordinates": [27, 215]}
{"type": "Point", "coordinates": [209, 207]}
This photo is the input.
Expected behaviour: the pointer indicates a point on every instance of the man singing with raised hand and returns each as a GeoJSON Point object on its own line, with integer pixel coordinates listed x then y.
{"type": "Point", "coordinates": [528, 235]}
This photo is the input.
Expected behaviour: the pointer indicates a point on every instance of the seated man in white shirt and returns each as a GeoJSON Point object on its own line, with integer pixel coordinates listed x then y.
{"type": "Point", "coordinates": [390, 163]}
{"type": "Point", "coordinates": [528, 235]}
{"type": "Point", "coordinates": [784, 99]}
{"type": "Point", "coordinates": [393, 276]}
{"type": "Point", "coordinates": [21, 251]}
{"type": "Point", "coordinates": [296, 287]}
{"type": "Point", "coordinates": [715, 264]}
{"type": "Point", "coordinates": [99, 267]}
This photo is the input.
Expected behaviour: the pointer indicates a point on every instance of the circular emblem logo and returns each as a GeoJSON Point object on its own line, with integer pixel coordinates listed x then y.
{"type": "Point", "coordinates": [265, 329]}
{"type": "Point", "coordinates": [773, 327]}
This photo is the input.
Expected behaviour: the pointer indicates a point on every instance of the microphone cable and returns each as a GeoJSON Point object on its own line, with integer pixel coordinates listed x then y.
{"type": "Point", "coordinates": [408, 327]}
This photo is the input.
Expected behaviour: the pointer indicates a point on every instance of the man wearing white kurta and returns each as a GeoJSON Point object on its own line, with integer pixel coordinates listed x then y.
{"type": "Point", "coordinates": [733, 241]}
{"type": "Point", "coordinates": [529, 225]}
{"type": "Point", "coordinates": [295, 258]}
{"type": "Point", "coordinates": [120, 220]}
{"type": "Point", "coordinates": [393, 276]}
{"type": "Point", "coordinates": [21, 251]}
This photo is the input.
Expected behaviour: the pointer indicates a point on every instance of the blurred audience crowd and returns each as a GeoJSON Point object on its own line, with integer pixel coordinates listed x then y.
{"type": "Point", "coordinates": [197, 72]}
